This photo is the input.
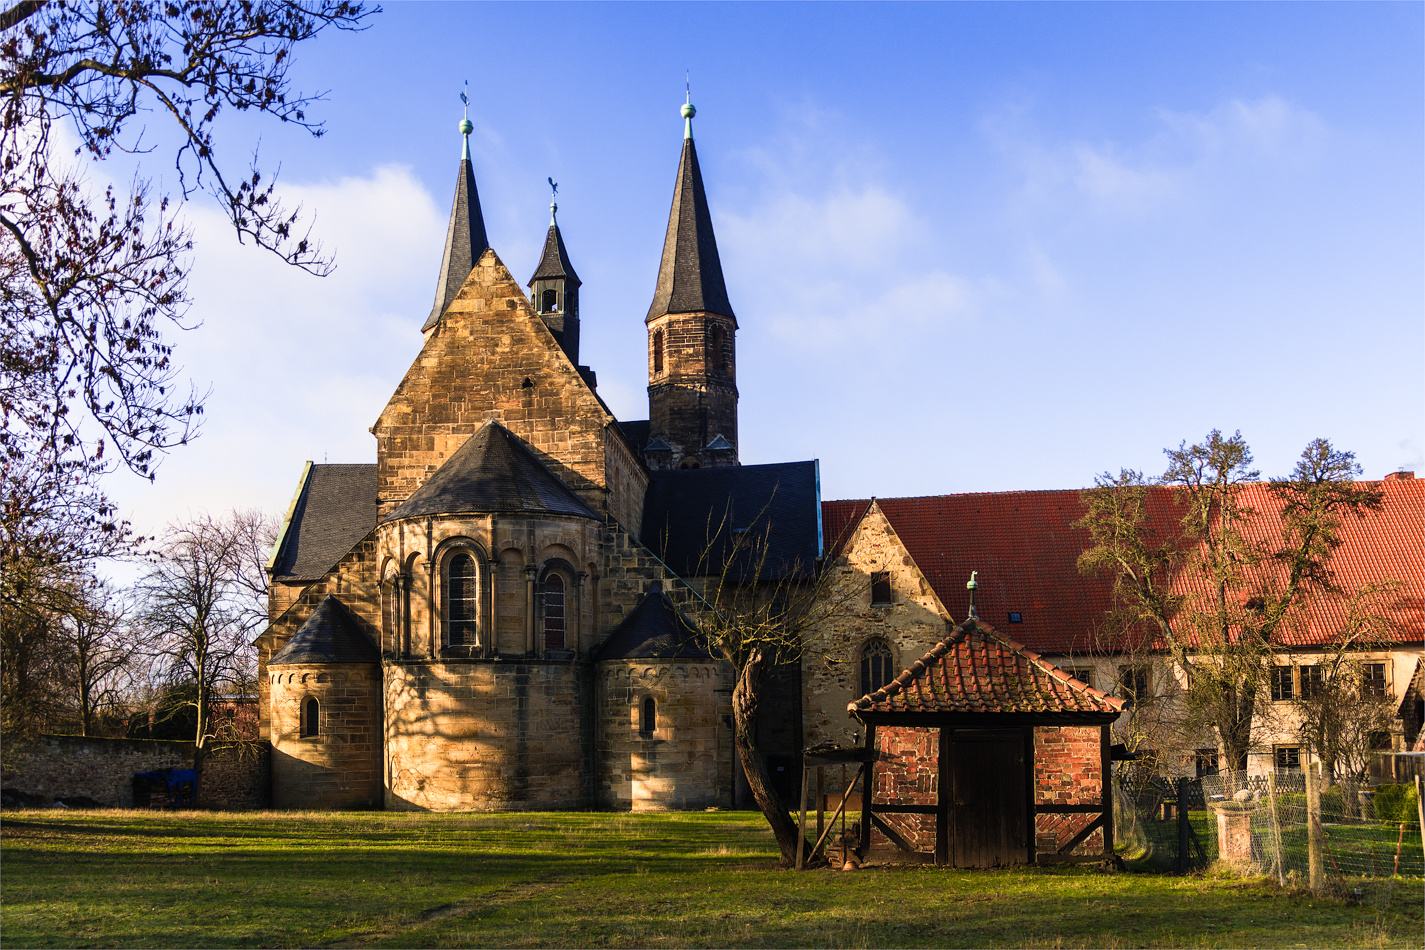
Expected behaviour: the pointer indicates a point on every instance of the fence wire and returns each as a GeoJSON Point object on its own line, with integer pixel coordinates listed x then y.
{"type": "Point", "coordinates": [1370, 834]}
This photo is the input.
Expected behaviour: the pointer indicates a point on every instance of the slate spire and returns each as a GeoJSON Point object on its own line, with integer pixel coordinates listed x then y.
{"type": "Point", "coordinates": [690, 276]}
{"type": "Point", "coordinates": [554, 288]}
{"type": "Point", "coordinates": [465, 240]}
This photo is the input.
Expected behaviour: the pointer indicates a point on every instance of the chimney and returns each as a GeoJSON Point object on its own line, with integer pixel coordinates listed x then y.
{"type": "Point", "coordinates": [1399, 477]}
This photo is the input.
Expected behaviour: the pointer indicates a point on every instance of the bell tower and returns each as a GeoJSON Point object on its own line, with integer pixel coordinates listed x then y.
{"type": "Point", "coordinates": [692, 353]}
{"type": "Point", "coordinates": [554, 288]}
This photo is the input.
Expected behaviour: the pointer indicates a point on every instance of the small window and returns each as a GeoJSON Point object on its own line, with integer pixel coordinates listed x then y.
{"type": "Point", "coordinates": [1288, 758]}
{"type": "Point", "coordinates": [548, 302]}
{"type": "Point", "coordinates": [1133, 681]}
{"type": "Point", "coordinates": [1312, 682]}
{"type": "Point", "coordinates": [648, 717]}
{"type": "Point", "coordinates": [1373, 681]}
{"type": "Point", "coordinates": [311, 719]}
{"type": "Point", "coordinates": [1379, 741]}
{"type": "Point", "coordinates": [876, 663]}
{"type": "Point", "coordinates": [716, 358]}
{"type": "Point", "coordinates": [1205, 762]}
{"type": "Point", "coordinates": [1281, 684]}
{"type": "Point", "coordinates": [462, 600]}
{"type": "Point", "coordinates": [657, 351]}
{"type": "Point", "coordinates": [1016, 617]}
{"type": "Point", "coordinates": [553, 612]}
{"type": "Point", "coordinates": [881, 589]}
{"type": "Point", "coordinates": [1082, 674]}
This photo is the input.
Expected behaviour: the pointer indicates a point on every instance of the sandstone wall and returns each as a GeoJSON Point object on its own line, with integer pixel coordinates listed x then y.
{"type": "Point", "coordinates": [693, 396]}
{"type": "Point", "coordinates": [488, 735]}
{"type": "Point", "coordinates": [340, 766]}
{"type": "Point", "coordinates": [686, 760]}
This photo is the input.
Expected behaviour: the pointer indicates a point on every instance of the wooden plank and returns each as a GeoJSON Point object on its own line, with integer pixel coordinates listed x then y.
{"type": "Point", "coordinates": [1105, 742]}
{"type": "Point", "coordinates": [1031, 829]}
{"type": "Point", "coordinates": [1082, 836]}
{"type": "Point", "coordinates": [886, 808]}
{"type": "Point", "coordinates": [1070, 809]}
{"type": "Point", "coordinates": [894, 836]}
{"type": "Point", "coordinates": [868, 789]}
{"type": "Point", "coordinates": [802, 821]}
{"type": "Point", "coordinates": [944, 794]}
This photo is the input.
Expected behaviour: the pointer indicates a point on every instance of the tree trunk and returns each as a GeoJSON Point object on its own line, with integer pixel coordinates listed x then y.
{"type": "Point", "coordinates": [746, 697]}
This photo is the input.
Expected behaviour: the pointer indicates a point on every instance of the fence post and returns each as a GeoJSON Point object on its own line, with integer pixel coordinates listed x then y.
{"type": "Point", "coordinates": [1314, 833]}
{"type": "Point", "coordinates": [1420, 808]}
{"type": "Point", "coordinates": [1184, 829]}
{"type": "Point", "coordinates": [1276, 828]}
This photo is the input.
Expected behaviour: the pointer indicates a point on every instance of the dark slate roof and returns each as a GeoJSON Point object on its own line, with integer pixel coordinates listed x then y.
{"type": "Point", "coordinates": [690, 276]}
{"type": "Point", "coordinates": [636, 433]}
{"type": "Point", "coordinates": [329, 635]}
{"type": "Point", "coordinates": [654, 629]}
{"type": "Point", "coordinates": [493, 472]}
{"type": "Point", "coordinates": [691, 513]}
{"type": "Point", "coordinates": [554, 263]}
{"type": "Point", "coordinates": [465, 241]}
{"type": "Point", "coordinates": [975, 670]}
{"type": "Point", "coordinates": [335, 509]}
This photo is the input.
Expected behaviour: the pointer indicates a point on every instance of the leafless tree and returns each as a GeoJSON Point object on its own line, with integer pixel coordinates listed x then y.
{"type": "Point", "coordinates": [201, 609]}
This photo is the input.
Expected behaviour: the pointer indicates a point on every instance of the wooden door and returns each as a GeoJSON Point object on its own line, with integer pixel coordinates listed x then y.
{"type": "Point", "coordinates": [988, 810]}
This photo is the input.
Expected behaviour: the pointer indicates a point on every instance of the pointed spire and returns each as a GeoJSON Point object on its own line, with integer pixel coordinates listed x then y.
{"type": "Point", "coordinates": [465, 240]}
{"type": "Point", "coordinates": [554, 263]}
{"type": "Point", "coordinates": [690, 276]}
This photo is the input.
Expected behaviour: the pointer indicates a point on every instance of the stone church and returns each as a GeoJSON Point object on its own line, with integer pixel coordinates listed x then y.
{"type": "Point", "coordinates": [488, 616]}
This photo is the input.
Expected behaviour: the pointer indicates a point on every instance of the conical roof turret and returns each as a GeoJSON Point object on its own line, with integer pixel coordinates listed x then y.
{"type": "Point", "coordinates": [465, 240]}
{"type": "Point", "coordinates": [554, 263]}
{"type": "Point", "coordinates": [690, 275]}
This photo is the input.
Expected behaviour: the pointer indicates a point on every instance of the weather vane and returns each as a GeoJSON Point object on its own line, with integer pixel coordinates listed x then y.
{"type": "Point", "coordinates": [465, 99]}
{"type": "Point", "coordinates": [553, 200]}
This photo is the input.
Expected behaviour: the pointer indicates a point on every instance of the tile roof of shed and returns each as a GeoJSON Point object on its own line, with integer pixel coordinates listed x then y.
{"type": "Point", "coordinates": [653, 629]}
{"type": "Point", "coordinates": [335, 510]}
{"type": "Point", "coordinates": [690, 516]}
{"type": "Point", "coordinates": [494, 471]}
{"type": "Point", "coordinates": [976, 670]}
{"type": "Point", "coordinates": [329, 635]}
{"type": "Point", "coordinates": [1025, 548]}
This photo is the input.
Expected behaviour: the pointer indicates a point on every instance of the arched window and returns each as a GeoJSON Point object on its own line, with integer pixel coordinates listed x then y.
{"type": "Point", "coordinates": [657, 351]}
{"type": "Point", "coordinates": [462, 600]}
{"type": "Point", "coordinates": [391, 609]}
{"type": "Point", "coordinates": [546, 303]}
{"type": "Point", "coordinates": [311, 719]}
{"type": "Point", "coordinates": [648, 717]}
{"type": "Point", "coordinates": [554, 590]}
{"type": "Point", "coordinates": [875, 665]}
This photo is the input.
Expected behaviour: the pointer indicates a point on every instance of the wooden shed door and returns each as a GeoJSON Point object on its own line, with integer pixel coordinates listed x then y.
{"type": "Point", "coordinates": [989, 805]}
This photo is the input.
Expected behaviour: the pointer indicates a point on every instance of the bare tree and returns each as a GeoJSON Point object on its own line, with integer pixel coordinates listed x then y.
{"type": "Point", "coordinates": [755, 611]}
{"type": "Point", "coordinates": [1212, 587]}
{"type": "Point", "coordinates": [201, 610]}
{"type": "Point", "coordinates": [102, 644]}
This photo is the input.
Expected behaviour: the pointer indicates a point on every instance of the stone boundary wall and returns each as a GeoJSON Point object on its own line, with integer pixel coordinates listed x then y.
{"type": "Point", "coordinates": [234, 775]}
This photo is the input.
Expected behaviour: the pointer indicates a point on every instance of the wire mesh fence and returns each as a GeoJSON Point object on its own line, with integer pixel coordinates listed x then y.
{"type": "Point", "coordinates": [1369, 839]}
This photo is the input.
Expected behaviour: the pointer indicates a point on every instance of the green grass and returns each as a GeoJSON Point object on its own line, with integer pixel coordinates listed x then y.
{"type": "Point", "coordinates": [120, 879]}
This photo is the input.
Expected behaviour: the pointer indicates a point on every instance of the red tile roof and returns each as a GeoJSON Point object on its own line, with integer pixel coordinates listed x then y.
{"type": "Point", "coordinates": [1025, 550]}
{"type": "Point", "coordinates": [976, 670]}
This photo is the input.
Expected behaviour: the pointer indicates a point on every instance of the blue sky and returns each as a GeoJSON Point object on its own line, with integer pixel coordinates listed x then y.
{"type": "Point", "coordinates": [971, 247]}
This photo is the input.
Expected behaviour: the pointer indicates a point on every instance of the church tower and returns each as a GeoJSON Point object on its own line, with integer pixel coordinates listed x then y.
{"type": "Point", "coordinates": [692, 368]}
{"type": "Point", "coordinates": [554, 289]}
{"type": "Point", "coordinates": [465, 239]}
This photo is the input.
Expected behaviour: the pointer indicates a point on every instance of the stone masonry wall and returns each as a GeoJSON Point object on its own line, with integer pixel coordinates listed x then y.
{"type": "Point", "coordinates": [233, 776]}
{"type": "Point", "coordinates": [913, 623]}
{"type": "Point", "coordinates": [487, 735]}
{"type": "Point", "coordinates": [356, 583]}
{"type": "Point", "coordinates": [686, 760]}
{"type": "Point", "coordinates": [491, 357]}
{"type": "Point", "coordinates": [340, 766]}
{"type": "Point", "coordinates": [694, 396]}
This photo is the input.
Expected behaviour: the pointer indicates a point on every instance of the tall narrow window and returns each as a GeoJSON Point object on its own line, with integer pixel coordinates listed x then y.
{"type": "Point", "coordinates": [1373, 681]}
{"type": "Point", "coordinates": [881, 589]}
{"type": "Point", "coordinates": [311, 718]}
{"type": "Point", "coordinates": [1133, 681]}
{"type": "Point", "coordinates": [462, 600]}
{"type": "Point", "coordinates": [716, 358]}
{"type": "Point", "coordinates": [648, 717]}
{"type": "Point", "coordinates": [1281, 684]}
{"type": "Point", "coordinates": [875, 665]}
{"type": "Point", "coordinates": [554, 612]}
{"type": "Point", "coordinates": [1312, 682]}
{"type": "Point", "coordinates": [657, 351]}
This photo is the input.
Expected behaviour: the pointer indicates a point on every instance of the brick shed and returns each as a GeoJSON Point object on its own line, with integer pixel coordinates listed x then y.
{"type": "Point", "coordinates": [986, 755]}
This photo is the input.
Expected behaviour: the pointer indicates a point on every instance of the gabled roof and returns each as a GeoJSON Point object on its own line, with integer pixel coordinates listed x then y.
{"type": "Point", "coordinates": [1025, 548]}
{"type": "Point", "coordinates": [329, 635]}
{"type": "Point", "coordinates": [465, 241]}
{"type": "Point", "coordinates": [654, 629]}
{"type": "Point", "coordinates": [335, 508]}
{"type": "Point", "coordinates": [976, 670]}
{"type": "Point", "coordinates": [554, 263]}
{"type": "Point", "coordinates": [492, 472]}
{"type": "Point", "coordinates": [690, 274]}
{"type": "Point", "coordinates": [690, 516]}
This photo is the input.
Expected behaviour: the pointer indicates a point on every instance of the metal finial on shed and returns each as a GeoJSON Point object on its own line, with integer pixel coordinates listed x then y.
{"type": "Point", "coordinates": [466, 126]}
{"type": "Point", "coordinates": [973, 585]}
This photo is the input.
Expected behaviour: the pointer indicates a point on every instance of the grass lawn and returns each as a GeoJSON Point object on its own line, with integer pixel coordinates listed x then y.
{"type": "Point", "coordinates": [282, 879]}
